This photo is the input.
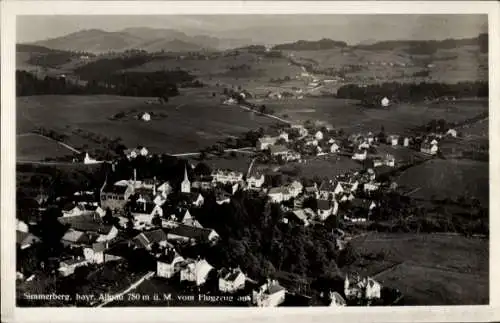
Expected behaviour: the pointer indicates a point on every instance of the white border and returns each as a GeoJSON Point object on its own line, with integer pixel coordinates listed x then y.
{"type": "Point", "coordinates": [9, 11]}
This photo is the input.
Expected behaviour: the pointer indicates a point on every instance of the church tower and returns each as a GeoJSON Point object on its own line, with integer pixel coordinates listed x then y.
{"type": "Point", "coordinates": [186, 184]}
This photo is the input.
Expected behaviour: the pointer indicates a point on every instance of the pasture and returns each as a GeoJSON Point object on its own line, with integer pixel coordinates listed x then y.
{"type": "Point", "coordinates": [451, 178]}
{"type": "Point", "coordinates": [435, 269]}
{"type": "Point", "coordinates": [193, 120]}
{"type": "Point", "coordinates": [350, 116]}
{"type": "Point", "coordinates": [32, 147]}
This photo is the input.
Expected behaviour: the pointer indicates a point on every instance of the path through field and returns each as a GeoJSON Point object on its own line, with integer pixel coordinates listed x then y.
{"type": "Point", "coordinates": [265, 114]}
{"type": "Point", "coordinates": [73, 149]}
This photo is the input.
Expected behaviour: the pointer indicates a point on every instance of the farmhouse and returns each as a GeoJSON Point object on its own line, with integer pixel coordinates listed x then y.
{"type": "Point", "coordinates": [95, 253]}
{"type": "Point", "coordinates": [303, 215]}
{"type": "Point", "coordinates": [91, 225]}
{"type": "Point", "coordinates": [334, 148]}
{"type": "Point", "coordinates": [196, 271]}
{"type": "Point", "coordinates": [264, 142]}
{"type": "Point", "coordinates": [146, 239]}
{"type": "Point", "coordinates": [255, 181]}
{"type": "Point", "coordinates": [326, 208]}
{"type": "Point", "coordinates": [168, 264]}
{"type": "Point", "coordinates": [67, 267]}
{"type": "Point", "coordinates": [279, 194]}
{"type": "Point", "coordinates": [76, 238]}
{"type": "Point", "coordinates": [271, 294]}
{"type": "Point", "coordinates": [230, 281]}
{"type": "Point", "coordinates": [429, 148]}
{"type": "Point", "coordinates": [318, 135]}
{"type": "Point", "coordinates": [87, 160]}
{"type": "Point", "coordinates": [278, 150]}
{"type": "Point", "coordinates": [186, 233]}
{"type": "Point", "coordinates": [451, 132]}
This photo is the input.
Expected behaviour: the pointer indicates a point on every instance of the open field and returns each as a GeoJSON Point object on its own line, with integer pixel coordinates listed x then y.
{"type": "Point", "coordinates": [347, 115]}
{"type": "Point", "coordinates": [448, 179]}
{"type": "Point", "coordinates": [192, 120]}
{"type": "Point", "coordinates": [33, 147]}
{"type": "Point", "coordinates": [436, 269]}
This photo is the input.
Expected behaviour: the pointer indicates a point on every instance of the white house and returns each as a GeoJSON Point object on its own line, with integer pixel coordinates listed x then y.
{"type": "Point", "coordinates": [301, 129]}
{"type": "Point", "coordinates": [318, 135]}
{"type": "Point", "coordinates": [226, 177]}
{"type": "Point", "coordinates": [146, 117]}
{"type": "Point", "coordinates": [334, 148]}
{"type": "Point", "coordinates": [336, 300]}
{"type": "Point", "coordinates": [95, 254]}
{"type": "Point", "coordinates": [167, 263]}
{"type": "Point", "coordinates": [283, 135]}
{"type": "Point", "coordinates": [271, 294]}
{"type": "Point", "coordinates": [87, 160]}
{"type": "Point", "coordinates": [279, 194]}
{"type": "Point", "coordinates": [67, 267]}
{"type": "Point", "coordinates": [371, 187]}
{"type": "Point", "coordinates": [266, 141]}
{"type": "Point", "coordinates": [165, 189]}
{"type": "Point", "coordinates": [451, 132]}
{"type": "Point", "coordinates": [196, 271]}
{"type": "Point", "coordinates": [393, 140]}
{"type": "Point", "coordinates": [231, 281]}
{"type": "Point", "coordinates": [21, 226]}
{"type": "Point", "coordinates": [429, 149]}
{"type": "Point", "coordinates": [255, 181]}
{"type": "Point", "coordinates": [385, 102]}
{"type": "Point", "coordinates": [295, 188]}
{"type": "Point", "coordinates": [326, 208]}
{"type": "Point", "coordinates": [406, 142]}
{"type": "Point", "coordinates": [360, 154]}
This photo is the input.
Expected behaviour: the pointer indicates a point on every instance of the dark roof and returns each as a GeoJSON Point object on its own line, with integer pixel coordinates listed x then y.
{"type": "Point", "coordinates": [144, 239]}
{"type": "Point", "coordinates": [324, 205]}
{"type": "Point", "coordinates": [87, 223]}
{"type": "Point", "coordinates": [99, 246]}
{"type": "Point", "coordinates": [190, 232]}
{"type": "Point", "coordinates": [25, 237]}
{"type": "Point", "coordinates": [327, 186]}
{"type": "Point", "coordinates": [361, 203]}
{"type": "Point", "coordinates": [168, 256]}
{"type": "Point", "coordinates": [116, 189]}
{"type": "Point", "coordinates": [139, 208]}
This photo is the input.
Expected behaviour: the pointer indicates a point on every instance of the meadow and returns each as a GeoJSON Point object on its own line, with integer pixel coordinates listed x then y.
{"type": "Point", "coordinates": [32, 147]}
{"type": "Point", "coordinates": [193, 120]}
{"type": "Point", "coordinates": [451, 178]}
{"type": "Point", "coordinates": [435, 269]}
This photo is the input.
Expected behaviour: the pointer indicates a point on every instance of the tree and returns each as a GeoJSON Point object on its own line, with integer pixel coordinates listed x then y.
{"type": "Point", "coordinates": [202, 169]}
{"type": "Point", "coordinates": [156, 221]}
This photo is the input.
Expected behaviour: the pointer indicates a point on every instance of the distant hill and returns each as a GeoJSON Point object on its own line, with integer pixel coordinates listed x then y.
{"type": "Point", "coordinates": [427, 46]}
{"type": "Point", "coordinates": [312, 45]}
{"type": "Point", "coordinates": [149, 39]}
{"type": "Point", "coordinates": [27, 48]}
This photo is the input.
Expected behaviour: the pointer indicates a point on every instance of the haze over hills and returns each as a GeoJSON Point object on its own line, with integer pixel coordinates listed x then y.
{"type": "Point", "coordinates": [148, 39]}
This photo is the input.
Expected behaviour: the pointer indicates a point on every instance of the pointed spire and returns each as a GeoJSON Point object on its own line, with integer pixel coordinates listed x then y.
{"type": "Point", "coordinates": [185, 174]}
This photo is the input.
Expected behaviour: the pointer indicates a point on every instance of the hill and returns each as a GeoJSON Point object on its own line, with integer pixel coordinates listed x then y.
{"type": "Point", "coordinates": [150, 39]}
{"type": "Point", "coordinates": [312, 45]}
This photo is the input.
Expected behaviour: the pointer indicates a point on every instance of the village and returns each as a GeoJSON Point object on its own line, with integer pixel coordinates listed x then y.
{"type": "Point", "coordinates": [138, 217]}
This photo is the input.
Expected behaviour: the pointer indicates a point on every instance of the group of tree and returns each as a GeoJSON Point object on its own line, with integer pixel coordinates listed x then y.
{"type": "Point", "coordinates": [407, 92]}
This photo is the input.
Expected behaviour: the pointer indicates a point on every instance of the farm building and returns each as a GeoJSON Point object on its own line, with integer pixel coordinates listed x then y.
{"type": "Point", "coordinates": [196, 271]}
{"type": "Point", "coordinates": [271, 294]}
{"type": "Point", "coordinates": [278, 150]}
{"type": "Point", "coordinates": [186, 233]}
{"type": "Point", "coordinates": [167, 263]}
{"type": "Point", "coordinates": [265, 142]}
{"type": "Point", "coordinates": [360, 154]}
{"type": "Point", "coordinates": [429, 148]}
{"type": "Point", "coordinates": [95, 253]}
{"type": "Point", "coordinates": [255, 181]}
{"type": "Point", "coordinates": [226, 176]}
{"type": "Point", "coordinates": [114, 197]}
{"type": "Point", "coordinates": [279, 194]}
{"type": "Point", "coordinates": [67, 267]}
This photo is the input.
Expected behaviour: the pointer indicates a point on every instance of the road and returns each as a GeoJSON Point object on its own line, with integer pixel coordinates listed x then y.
{"type": "Point", "coordinates": [265, 114]}
{"type": "Point", "coordinates": [250, 167]}
{"type": "Point", "coordinates": [130, 288]}
{"type": "Point", "coordinates": [244, 150]}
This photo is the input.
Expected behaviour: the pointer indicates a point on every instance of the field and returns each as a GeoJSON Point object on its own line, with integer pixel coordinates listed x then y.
{"type": "Point", "coordinates": [448, 179]}
{"type": "Point", "coordinates": [347, 115]}
{"type": "Point", "coordinates": [32, 147]}
{"type": "Point", "coordinates": [193, 120]}
{"type": "Point", "coordinates": [434, 269]}
{"type": "Point", "coordinates": [240, 162]}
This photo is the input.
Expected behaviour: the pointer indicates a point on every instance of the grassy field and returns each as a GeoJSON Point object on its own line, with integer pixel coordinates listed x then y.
{"type": "Point", "coordinates": [448, 179]}
{"type": "Point", "coordinates": [192, 120]}
{"type": "Point", "coordinates": [435, 269]}
{"type": "Point", "coordinates": [345, 114]}
{"type": "Point", "coordinates": [33, 147]}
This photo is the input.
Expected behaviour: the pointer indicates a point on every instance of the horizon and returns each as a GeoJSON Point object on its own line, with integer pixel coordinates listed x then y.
{"type": "Point", "coordinates": [279, 28]}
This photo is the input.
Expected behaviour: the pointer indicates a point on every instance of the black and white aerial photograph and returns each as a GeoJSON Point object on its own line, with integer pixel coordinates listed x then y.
{"type": "Point", "coordinates": [256, 160]}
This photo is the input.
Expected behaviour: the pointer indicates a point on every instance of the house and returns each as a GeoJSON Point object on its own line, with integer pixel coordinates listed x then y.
{"type": "Point", "coordinates": [21, 226]}
{"type": "Point", "coordinates": [185, 184]}
{"type": "Point", "coordinates": [347, 196]}
{"type": "Point", "coordinates": [283, 135]}
{"type": "Point", "coordinates": [363, 145]}
{"type": "Point", "coordinates": [311, 190]}
{"type": "Point", "coordinates": [135, 152]}
{"type": "Point", "coordinates": [196, 271]}
{"type": "Point", "coordinates": [295, 188]}
{"type": "Point", "coordinates": [384, 102]}
{"type": "Point", "coordinates": [92, 225]}
{"type": "Point", "coordinates": [270, 294]}
{"type": "Point", "coordinates": [222, 198]}
{"type": "Point", "coordinates": [406, 142]}
{"type": "Point", "coordinates": [95, 253]}
{"type": "Point", "coordinates": [278, 150]}
{"type": "Point", "coordinates": [165, 189]}
{"type": "Point", "coordinates": [185, 233]}
{"type": "Point", "coordinates": [168, 263]}
{"type": "Point", "coordinates": [371, 187]}
{"type": "Point", "coordinates": [393, 140]}
{"type": "Point", "coordinates": [279, 194]}
{"type": "Point", "coordinates": [429, 149]}
{"type": "Point", "coordinates": [336, 300]}
{"type": "Point", "coordinates": [301, 129]}
{"type": "Point", "coordinates": [190, 221]}
{"type": "Point", "coordinates": [356, 287]}
{"type": "Point", "coordinates": [389, 160]}
{"type": "Point", "coordinates": [87, 160]}
{"type": "Point", "coordinates": [146, 239]}
{"type": "Point", "coordinates": [334, 148]}
{"type": "Point", "coordinates": [145, 116]}
{"type": "Point", "coordinates": [360, 154]}
{"type": "Point", "coordinates": [311, 141]}
{"type": "Point", "coordinates": [326, 208]}
{"type": "Point", "coordinates": [255, 181]}
{"type": "Point", "coordinates": [72, 209]}
{"type": "Point", "coordinates": [230, 281]}
{"type": "Point", "coordinates": [451, 132]}
{"type": "Point", "coordinates": [24, 240]}
{"type": "Point", "coordinates": [114, 197]}
{"type": "Point", "coordinates": [226, 176]}
{"type": "Point", "coordinates": [303, 215]}
{"type": "Point", "coordinates": [144, 212]}
{"type": "Point", "coordinates": [318, 135]}
{"type": "Point", "coordinates": [67, 267]}
{"type": "Point", "coordinates": [330, 188]}
{"type": "Point", "coordinates": [265, 142]}
{"type": "Point", "coordinates": [76, 238]}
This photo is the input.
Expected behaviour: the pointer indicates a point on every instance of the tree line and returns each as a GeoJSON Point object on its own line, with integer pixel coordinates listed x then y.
{"type": "Point", "coordinates": [411, 92]}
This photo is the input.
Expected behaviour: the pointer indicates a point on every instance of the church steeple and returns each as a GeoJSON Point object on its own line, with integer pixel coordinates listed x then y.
{"type": "Point", "coordinates": [186, 184]}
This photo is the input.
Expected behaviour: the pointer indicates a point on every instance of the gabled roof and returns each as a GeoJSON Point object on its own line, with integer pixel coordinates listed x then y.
{"type": "Point", "coordinates": [145, 239]}
{"type": "Point", "coordinates": [190, 232]}
{"type": "Point", "coordinates": [275, 149]}
{"type": "Point", "coordinates": [275, 288]}
{"type": "Point", "coordinates": [25, 238]}
{"type": "Point", "coordinates": [115, 189]}
{"type": "Point", "coordinates": [278, 190]}
{"type": "Point", "coordinates": [168, 256]}
{"type": "Point", "coordinates": [301, 214]}
{"type": "Point", "coordinates": [324, 205]}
